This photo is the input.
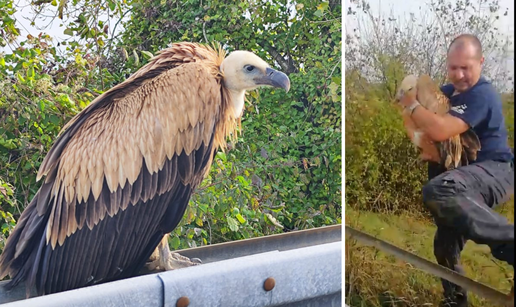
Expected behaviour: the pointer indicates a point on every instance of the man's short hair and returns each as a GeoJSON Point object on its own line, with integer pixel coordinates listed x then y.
{"type": "Point", "coordinates": [463, 39]}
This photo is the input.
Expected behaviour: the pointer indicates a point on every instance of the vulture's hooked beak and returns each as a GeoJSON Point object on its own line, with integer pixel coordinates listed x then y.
{"type": "Point", "coordinates": [274, 78]}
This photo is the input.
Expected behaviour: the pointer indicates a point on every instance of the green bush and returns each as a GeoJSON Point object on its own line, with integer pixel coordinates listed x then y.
{"type": "Point", "coordinates": [382, 169]}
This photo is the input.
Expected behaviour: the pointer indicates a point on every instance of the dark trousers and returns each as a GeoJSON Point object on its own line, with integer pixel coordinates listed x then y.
{"type": "Point", "coordinates": [461, 202]}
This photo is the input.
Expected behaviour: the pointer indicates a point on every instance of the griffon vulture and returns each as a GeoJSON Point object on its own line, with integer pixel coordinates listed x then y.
{"type": "Point", "coordinates": [452, 153]}
{"type": "Point", "coordinates": [120, 174]}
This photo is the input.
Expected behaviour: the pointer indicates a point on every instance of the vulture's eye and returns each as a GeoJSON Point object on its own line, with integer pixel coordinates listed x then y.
{"type": "Point", "coordinates": [249, 67]}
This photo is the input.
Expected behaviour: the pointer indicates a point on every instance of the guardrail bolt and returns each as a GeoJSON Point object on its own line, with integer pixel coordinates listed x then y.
{"type": "Point", "coordinates": [183, 301]}
{"type": "Point", "coordinates": [269, 284]}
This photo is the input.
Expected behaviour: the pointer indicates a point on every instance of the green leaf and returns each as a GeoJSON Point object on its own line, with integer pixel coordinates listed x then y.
{"type": "Point", "coordinates": [146, 54]}
{"type": "Point", "coordinates": [232, 223]}
{"type": "Point", "coordinates": [333, 90]}
{"type": "Point", "coordinates": [54, 119]}
{"type": "Point", "coordinates": [100, 41]}
{"type": "Point", "coordinates": [240, 218]}
{"type": "Point", "coordinates": [175, 242]}
{"type": "Point", "coordinates": [30, 72]}
{"type": "Point", "coordinates": [20, 78]}
{"type": "Point", "coordinates": [125, 54]}
{"type": "Point", "coordinates": [322, 6]}
{"type": "Point", "coordinates": [221, 155]}
{"type": "Point", "coordinates": [112, 5]}
{"type": "Point", "coordinates": [136, 58]}
{"type": "Point", "coordinates": [273, 220]}
{"type": "Point", "coordinates": [9, 144]}
{"type": "Point", "coordinates": [68, 31]}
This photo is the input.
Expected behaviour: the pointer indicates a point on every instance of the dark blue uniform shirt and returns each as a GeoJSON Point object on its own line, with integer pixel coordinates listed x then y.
{"type": "Point", "coordinates": [481, 108]}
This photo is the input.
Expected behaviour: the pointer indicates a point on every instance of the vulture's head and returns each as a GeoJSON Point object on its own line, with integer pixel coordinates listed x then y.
{"type": "Point", "coordinates": [407, 87]}
{"type": "Point", "coordinates": [244, 71]}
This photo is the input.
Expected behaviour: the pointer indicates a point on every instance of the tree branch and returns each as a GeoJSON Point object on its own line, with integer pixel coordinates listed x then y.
{"type": "Point", "coordinates": [287, 66]}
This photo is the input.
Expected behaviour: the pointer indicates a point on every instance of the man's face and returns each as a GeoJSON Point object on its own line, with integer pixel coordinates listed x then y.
{"type": "Point", "coordinates": [464, 67]}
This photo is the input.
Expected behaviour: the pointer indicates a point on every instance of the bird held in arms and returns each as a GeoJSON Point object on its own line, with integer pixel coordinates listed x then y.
{"type": "Point", "coordinates": [458, 150]}
{"type": "Point", "coordinates": [120, 174]}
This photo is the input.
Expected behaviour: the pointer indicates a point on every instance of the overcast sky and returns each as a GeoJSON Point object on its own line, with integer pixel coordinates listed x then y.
{"type": "Point", "coordinates": [402, 8]}
{"type": "Point", "coordinates": [385, 7]}
{"type": "Point", "coordinates": [50, 25]}
{"type": "Point", "coordinates": [24, 15]}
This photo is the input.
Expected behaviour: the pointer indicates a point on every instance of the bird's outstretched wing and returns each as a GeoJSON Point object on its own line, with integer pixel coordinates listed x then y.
{"type": "Point", "coordinates": [120, 175]}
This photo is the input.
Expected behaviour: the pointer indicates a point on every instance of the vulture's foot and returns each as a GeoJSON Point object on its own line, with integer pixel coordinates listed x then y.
{"type": "Point", "coordinates": [165, 260]}
{"type": "Point", "coordinates": [172, 262]}
{"type": "Point", "coordinates": [179, 261]}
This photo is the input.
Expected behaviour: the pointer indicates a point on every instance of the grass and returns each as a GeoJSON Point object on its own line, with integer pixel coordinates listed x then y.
{"type": "Point", "coordinates": [374, 278]}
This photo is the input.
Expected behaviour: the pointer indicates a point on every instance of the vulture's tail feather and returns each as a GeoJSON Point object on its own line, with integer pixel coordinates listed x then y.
{"type": "Point", "coordinates": [21, 251]}
{"type": "Point", "coordinates": [471, 144]}
{"type": "Point", "coordinates": [451, 152]}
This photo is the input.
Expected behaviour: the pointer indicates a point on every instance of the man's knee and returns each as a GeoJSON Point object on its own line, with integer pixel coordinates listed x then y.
{"type": "Point", "coordinates": [441, 195]}
{"type": "Point", "coordinates": [434, 194]}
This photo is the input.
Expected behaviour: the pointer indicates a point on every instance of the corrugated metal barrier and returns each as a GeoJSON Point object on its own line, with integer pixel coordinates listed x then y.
{"type": "Point", "coordinates": [301, 268]}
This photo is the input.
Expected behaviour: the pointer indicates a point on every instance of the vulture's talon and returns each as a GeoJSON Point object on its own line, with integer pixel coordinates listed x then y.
{"type": "Point", "coordinates": [179, 257]}
{"type": "Point", "coordinates": [153, 265]}
{"type": "Point", "coordinates": [177, 261]}
{"type": "Point", "coordinates": [163, 259]}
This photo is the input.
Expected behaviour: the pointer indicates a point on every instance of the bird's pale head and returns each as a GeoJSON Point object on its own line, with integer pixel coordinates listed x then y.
{"type": "Point", "coordinates": [243, 71]}
{"type": "Point", "coordinates": [407, 87]}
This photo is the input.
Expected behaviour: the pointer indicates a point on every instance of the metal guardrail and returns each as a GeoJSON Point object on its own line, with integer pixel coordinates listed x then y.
{"type": "Point", "coordinates": [432, 268]}
{"type": "Point", "coordinates": [301, 268]}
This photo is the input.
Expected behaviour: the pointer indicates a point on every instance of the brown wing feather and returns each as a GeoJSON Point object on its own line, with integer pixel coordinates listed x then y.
{"type": "Point", "coordinates": [114, 137]}
{"type": "Point", "coordinates": [453, 150]}
{"type": "Point", "coordinates": [141, 147]}
{"type": "Point", "coordinates": [471, 144]}
{"type": "Point", "coordinates": [431, 97]}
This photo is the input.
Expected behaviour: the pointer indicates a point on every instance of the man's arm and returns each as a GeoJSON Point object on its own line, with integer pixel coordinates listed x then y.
{"type": "Point", "coordinates": [438, 128]}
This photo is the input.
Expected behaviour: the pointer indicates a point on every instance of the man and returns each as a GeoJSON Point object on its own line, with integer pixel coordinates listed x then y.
{"type": "Point", "coordinates": [461, 200]}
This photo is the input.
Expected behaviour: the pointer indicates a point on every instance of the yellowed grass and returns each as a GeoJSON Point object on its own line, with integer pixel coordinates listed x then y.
{"type": "Point", "coordinates": [374, 278]}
